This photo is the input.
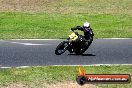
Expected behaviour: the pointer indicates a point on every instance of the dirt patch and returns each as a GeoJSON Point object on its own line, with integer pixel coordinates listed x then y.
{"type": "Point", "coordinates": [16, 85]}
{"type": "Point", "coordinates": [71, 85]}
{"type": "Point", "coordinates": [26, 2]}
{"type": "Point", "coordinates": [57, 85]}
{"type": "Point", "coordinates": [26, 5]}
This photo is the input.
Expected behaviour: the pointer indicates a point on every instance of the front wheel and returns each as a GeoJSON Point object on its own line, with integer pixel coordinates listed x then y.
{"type": "Point", "coordinates": [61, 48]}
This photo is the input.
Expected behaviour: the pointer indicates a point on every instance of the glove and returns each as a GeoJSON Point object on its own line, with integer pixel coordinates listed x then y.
{"type": "Point", "coordinates": [76, 33]}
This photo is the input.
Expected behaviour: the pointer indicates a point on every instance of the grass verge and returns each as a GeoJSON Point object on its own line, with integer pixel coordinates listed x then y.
{"type": "Point", "coordinates": [42, 76]}
{"type": "Point", "coordinates": [20, 19]}
{"type": "Point", "coordinates": [14, 25]}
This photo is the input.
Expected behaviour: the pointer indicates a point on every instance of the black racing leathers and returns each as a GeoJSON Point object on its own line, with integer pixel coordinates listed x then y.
{"type": "Point", "coordinates": [87, 31]}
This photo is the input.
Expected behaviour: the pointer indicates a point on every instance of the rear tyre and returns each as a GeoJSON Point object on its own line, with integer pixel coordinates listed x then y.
{"type": "Point", "coordinates": [77, 52]}
{"type": "Point", "coordinates": [83, 48]}
{"type": "Point", "coordinates": [61, 48]}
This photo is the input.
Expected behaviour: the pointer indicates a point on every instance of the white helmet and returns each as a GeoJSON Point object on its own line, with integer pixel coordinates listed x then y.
{"type": "Point", "coordinates": [86, 24]}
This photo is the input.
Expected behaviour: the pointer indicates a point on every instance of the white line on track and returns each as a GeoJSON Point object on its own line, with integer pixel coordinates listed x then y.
{"type": "Point", "coordinates": [29, 44]}
{"type": "Point", "coordinates": [71, 65]}
{"type": "Point", "coordinates": [17, 67]}
{"type": "Point", "coordinates": [95, 65]}
{"type": "Point", "coordinates": [36, 39]}
{"type": "Point", "coordinates": [64, 39]}
{"type": "Point", "coordinates": [115, 38]}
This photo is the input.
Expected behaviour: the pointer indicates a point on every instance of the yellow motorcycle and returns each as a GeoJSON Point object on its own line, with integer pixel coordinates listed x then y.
{"type": "Point", "coordinates": [74, 44]}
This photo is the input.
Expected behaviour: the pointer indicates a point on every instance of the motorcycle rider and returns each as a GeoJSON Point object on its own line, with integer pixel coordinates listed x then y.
{"type": "Point", "coordinates": [87, 31]}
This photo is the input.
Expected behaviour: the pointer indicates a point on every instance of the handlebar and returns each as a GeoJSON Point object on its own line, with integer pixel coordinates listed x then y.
{"type": "Point", "coordinates": [75, 32]}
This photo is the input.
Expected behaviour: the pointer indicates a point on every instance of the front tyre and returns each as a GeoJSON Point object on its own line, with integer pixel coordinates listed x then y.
{"type": "Point", "coordinates": [61, 48]}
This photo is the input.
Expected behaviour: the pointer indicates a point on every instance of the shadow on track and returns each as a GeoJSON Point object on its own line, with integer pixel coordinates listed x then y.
{"type": "Point", "coordinates": [84, 54]}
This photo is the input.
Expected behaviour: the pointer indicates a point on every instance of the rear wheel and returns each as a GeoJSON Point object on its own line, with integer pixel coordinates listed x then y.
{"type": "Point", "coordinates": [61, 48]}
{"type": "Point", "coordinates": [82, 49]}
{"type": "Point", "coordinates": [78, 52]}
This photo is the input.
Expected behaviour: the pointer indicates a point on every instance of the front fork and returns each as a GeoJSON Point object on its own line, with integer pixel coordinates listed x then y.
{"type": "Point", "coordinates": [68, 44]}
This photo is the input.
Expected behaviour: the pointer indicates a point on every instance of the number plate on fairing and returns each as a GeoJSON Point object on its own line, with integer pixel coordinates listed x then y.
{"type": "Point", "coordinates": [73, 36]}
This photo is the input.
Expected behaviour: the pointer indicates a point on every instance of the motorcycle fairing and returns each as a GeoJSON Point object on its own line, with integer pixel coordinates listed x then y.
{"type": "Point", "coordinates": [73, 36]}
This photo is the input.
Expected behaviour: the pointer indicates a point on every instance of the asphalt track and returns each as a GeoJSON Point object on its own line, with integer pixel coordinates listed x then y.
{"type": "Point", "coordinates": [15, 53]}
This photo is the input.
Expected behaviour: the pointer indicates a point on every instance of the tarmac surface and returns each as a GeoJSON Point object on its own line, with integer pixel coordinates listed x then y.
{"type": "Point", "coordinates": [14, 53]}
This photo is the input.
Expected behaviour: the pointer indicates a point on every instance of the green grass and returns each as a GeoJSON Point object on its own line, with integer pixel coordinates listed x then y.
{"type": "Point", "coordinates": [54, 18]}
{"type": "Point", "coordinates": [42, 25]}
{"type": "Point", "coordinates": [54, 74]}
